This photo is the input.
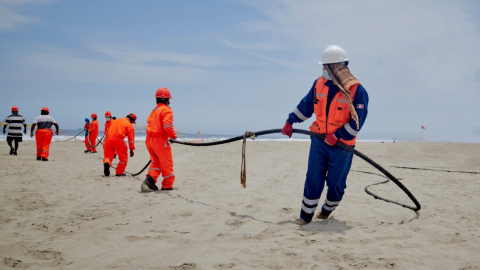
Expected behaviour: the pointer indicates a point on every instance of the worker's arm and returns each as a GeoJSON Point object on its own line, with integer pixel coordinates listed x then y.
{"type": "Point", "coordinates": [24, 127]}
{"type": "Point", "coordinates": [360, 102]}
{"type": "Point", "coordinates": [304, 109]}
{"type": "Point", "coordinates": [168, 124]}
{"type": "Point", "coordinates": [93, 127]}
{"type": "Point", "coordinates": [56, 126]}
{"type": "Point", "coordinates": [32, 129]}
{"type": "Point", "coordinates": [131, 138]}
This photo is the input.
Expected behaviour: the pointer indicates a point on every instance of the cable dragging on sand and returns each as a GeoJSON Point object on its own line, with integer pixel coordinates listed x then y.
{"type": "Point", "coordinates": [252, 135]}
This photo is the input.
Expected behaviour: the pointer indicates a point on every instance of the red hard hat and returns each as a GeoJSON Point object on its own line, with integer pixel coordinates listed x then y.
{"type": "Point", "coordinates": [45, 109]}
{"type": "Point", "coordinates": [108, 114]}
{"type": "Point", "coordinates": [94, 115]}
{"type": "Point", "coordinates": [163, 93]}
{"type": "Point", "coordinates": [133, 116]}
{"type": "Point", "coordinates": [14, 109]}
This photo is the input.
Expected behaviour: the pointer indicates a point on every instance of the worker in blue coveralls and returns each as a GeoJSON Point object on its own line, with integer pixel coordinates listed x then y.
{"type": "Point", "coordinates": [340, 105]}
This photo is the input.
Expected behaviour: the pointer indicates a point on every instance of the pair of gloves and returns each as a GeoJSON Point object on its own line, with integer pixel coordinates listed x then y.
{"type": "Point", "coordinates": [330, 139]}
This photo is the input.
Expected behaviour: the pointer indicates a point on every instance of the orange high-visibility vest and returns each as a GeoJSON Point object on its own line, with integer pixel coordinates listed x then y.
{"type": "Point", "coordinates": [338, 113]}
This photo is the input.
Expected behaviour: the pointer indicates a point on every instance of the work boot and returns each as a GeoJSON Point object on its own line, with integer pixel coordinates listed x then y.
{"type": "Point", "coordinates": [106, 168]}
{"type": "Point", "coordinates": [123, 174]}
{"type": "Point", "coordinates": [323, 215]}
{"type": "Point", "coordinates": [15, 152]}
{"type": "Point", "coordinates": [39, 158]}
{"type": "Point", "coordinates": [86, 151]}
{"type": "Point", "coordinates": [11, 150]}
{"type": "Point", "coordinates": [44, 159]}
{"type": "Point", "coordinates": [150, 183]}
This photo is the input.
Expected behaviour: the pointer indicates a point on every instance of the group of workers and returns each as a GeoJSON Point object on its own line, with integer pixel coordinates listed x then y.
{"type": "Point", "coordinates": [337, 99]}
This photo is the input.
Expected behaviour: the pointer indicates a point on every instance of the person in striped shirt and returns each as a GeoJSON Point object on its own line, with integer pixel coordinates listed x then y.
{"type": "Point", "coordinates": [14, 123]}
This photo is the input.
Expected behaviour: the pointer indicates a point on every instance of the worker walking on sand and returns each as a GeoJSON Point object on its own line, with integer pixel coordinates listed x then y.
{"type": "Point", "coordinates": [108, 122]}
{"type": "Point", "coordinates": [44, 134]}
{"type": "Point", "coordinates": [340, 105]}
{"type": "Point", "coordinates": [159, 131]}
{"type": "Point", "coordinates": [14, 123]}
{"type": "Point", "coordinates": [114, 144]}
{"type": "Point", "coordinates": [91, 138]}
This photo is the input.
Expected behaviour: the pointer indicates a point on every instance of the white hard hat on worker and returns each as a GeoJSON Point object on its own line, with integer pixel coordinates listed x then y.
{"type": "Point", "coordinates": [333, 54]}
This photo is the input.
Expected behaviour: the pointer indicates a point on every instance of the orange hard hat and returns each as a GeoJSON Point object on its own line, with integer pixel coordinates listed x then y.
{"type": "Point", "coordinates": [108, 114]}
{"type": "Point", "coordinates": [94, 115]}
{"type": "Point", "coordinates": [133, 116]}
{"type": "Point", "coordinates": [45, 109]}
{"type": "Point", "coordinates": [163, 93]}
{"type": "Point", "coordinates": [14, 109]}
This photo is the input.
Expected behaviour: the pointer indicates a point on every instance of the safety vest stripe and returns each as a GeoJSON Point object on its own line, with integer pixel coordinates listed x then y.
{"type": "Point", "coordinates": [320, 95]}
{"type": "Point", "coordinates": [308, 210]}
{"type": "Point", "coordinates": [342, 100]}
{"type": "Point", "coordinates": [350, 130]}
{"type": "Point", "coordinates": [310, 202]}
{"type": "Point", "coordinates": [168, 126]}
{"type": "Point", "coordinates": [299, 114]}
{"type": "Point", "coordinates": [154, 169]}
{"type": "Point", "coordinates": [165, 177]}
{"type": "Point", "coordinates": [332, 203]}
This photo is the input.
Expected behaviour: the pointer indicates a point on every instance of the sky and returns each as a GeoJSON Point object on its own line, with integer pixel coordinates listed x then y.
{"type": "Point", "coordinates": [233, 66]}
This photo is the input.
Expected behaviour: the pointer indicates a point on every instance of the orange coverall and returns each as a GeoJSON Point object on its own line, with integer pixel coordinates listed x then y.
{"type": "Point", "coordinates": [159, 129]}
{"type": "Point", "coordinates": [92, 136]}
{"type": "Point", "coordinates": [43, 138]}
{"type": "Point", "coordinates": [114, 143]}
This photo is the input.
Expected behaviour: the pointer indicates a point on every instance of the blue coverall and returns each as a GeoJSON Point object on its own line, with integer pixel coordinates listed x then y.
{"type": "Point", "coordinates": [326, 163]}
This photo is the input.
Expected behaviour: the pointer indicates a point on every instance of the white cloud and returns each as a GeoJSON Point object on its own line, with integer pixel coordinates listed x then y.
{"type": "Point", "coordinates": [258, 46]}
{"type": "Point", "coordinates": [64, 67]}
{"type": "Point", "coordinates": [11, 20]}
{"type": "Point", "coordinates": [138, 56]}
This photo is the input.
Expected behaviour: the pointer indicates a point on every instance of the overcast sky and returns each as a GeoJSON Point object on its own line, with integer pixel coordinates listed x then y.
{"type": "Point", "coordinates": [243, 65]}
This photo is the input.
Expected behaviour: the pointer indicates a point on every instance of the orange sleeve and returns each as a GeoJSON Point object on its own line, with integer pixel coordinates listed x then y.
{"type": "Point", "coordinates": [93, 127]}
{"type": "Point", "coordinates": [131, 137]}
{"type": "Point", "coordinates": [168, 124]}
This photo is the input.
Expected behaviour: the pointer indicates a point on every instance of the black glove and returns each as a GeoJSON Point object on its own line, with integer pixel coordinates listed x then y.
{"type": "Point", "coordinates": [25, 131]}
{"type": "Point", "coordinates": [4, 131]}
{"type": "Point", "coordinates": [114, 118]}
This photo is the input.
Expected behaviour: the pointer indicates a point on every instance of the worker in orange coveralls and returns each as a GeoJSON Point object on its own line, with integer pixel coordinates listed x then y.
{"type": "Point", "coordinates": [159, 131]}
{"type": "Point", "coordinates": [44, 133]}
{"type": "Point", "coordinates": [108, 122]}
{"type": "Point", "coordinates": [91, 139]}
{"type": "Point", "coordinates": [114, 143]}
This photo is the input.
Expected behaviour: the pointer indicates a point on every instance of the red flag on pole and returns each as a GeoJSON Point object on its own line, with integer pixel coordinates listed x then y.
{"type": "Point", "coordinates": [423, 127]}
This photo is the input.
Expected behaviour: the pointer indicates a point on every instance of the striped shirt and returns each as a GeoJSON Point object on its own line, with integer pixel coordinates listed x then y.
{"type": "Point", "coordinates": [14, 122]}
{"type": "Point", "coordinates": [44, 122]}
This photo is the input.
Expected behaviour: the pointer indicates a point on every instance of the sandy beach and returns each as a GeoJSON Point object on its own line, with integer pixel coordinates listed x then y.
{"type": "Point", "coordinates": [64, 214]}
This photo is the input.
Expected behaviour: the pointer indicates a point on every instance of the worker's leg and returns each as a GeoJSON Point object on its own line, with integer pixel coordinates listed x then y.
{"type": "Point", "coordinates": [47, 139]}
{"type": "Point", "coordinates": [154, 169]}
{"type": "Point", "coordinates": [122, 151]}
{"type": "Point", "coordinates": [338, 169]}
{"type": "Point", "coordinates": [87, 144]}
{"type": "Point", "coordinates": [315, 181]}
{"type": "Point", "coordinates": [39, 142]}
{"type": "Point", "coordinates": [108, 151]}
{"type": "Point", "coordinates": [93, 142]}
{"type": "Point", "coordinates": [166, 164]}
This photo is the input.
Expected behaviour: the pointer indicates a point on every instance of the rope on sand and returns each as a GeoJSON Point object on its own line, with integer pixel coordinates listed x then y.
{"type": "Point", "coordinates": [322, 137]}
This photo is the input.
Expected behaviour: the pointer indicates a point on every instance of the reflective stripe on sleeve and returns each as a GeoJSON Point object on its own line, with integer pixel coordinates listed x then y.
{"type": "Point", "coordinates": [350, 130]}
{"type": "Point", "coordinates": [168, 126]}
{"type": "Point", "coordinates": [154, 169]}
{"type": "Point", "coordinates": [342, 100]}
{"type": "Point", "coordinates": [299, 114]}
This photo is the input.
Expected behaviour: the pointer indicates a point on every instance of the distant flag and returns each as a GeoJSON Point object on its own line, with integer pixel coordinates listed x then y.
{"type": "Point", "coordinates": [423, 127]}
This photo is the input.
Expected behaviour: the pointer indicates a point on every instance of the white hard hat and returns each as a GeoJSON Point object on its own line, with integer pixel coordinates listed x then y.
{"type": "Point", "coordinates": [333, 54]}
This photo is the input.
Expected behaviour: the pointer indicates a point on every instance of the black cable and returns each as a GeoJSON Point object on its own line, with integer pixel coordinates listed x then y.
{"type": "Point", "coordinates": [339, 144]}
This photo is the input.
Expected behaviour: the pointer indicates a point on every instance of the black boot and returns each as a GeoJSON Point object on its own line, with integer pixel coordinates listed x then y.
{"type": "Point", "coordinates": [44, 159]}
{"type": "Point", "coordinates": [11, 150]}
{"type": "Point", "coordinates": [150, 183]}
{"type": "Point", "coordinates": [106, 168]}
{"type": "Point", "coordinates": [39, 158]}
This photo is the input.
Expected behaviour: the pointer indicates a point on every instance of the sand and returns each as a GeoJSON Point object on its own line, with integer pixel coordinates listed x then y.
{"type": "Point", "coordinates": [64, 214]}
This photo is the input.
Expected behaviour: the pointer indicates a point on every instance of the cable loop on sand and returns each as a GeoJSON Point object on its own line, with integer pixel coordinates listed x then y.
{"type": "Point", "coordinates": [322, 137]}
